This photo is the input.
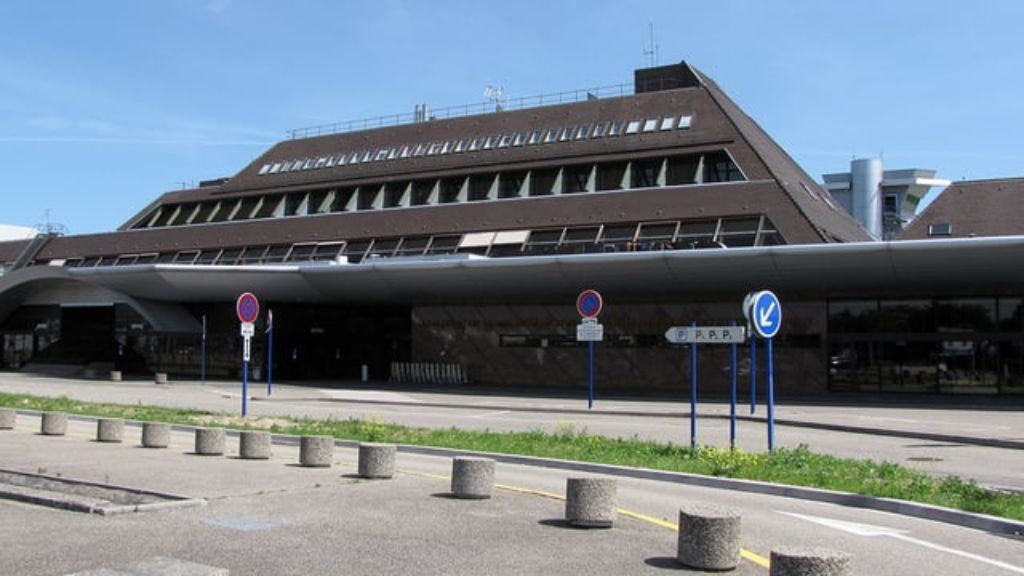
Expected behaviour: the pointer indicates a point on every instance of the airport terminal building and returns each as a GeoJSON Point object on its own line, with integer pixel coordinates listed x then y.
{"type": "Point", "coordinates": [451, 244]}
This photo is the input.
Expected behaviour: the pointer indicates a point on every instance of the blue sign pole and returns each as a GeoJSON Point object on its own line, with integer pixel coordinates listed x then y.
{"type": "Point", "coordinates": [590, 370]}
{"type": "Point", "coordinates": [732, 395]}
{"type": "Point", "coordinates": [202, 354]}
{"type": "Point", "coordinates": [753, 373]}
{"type": "Point", "coordinates": [693, 393]}
{"type": "Point", "coordinates": [270, 352]}
{"type": "Point", "coordinates": [771, 395]}
{"type": "Point", "coordinates": [245, 388]}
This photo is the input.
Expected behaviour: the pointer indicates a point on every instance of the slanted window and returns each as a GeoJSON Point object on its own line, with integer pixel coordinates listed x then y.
{"type": "Point", "coordinates": [542, 181]}
{"type": "Point", "coordinates": [739, 232]}
{"type": "Point", "coordinates": [421, 190]}
{"type": "Point", "coordinates": [253, 255]}
{"type": "Point", "coordinates": [406, 151]}
{"type": "Point", "coordinates": [551, 136]}
{"type": "Point", "coordinates": [566, 134]}
{"type": "Point", "coordinates": [356, 250]}
{"type": "Point", "coordinates": [535, 137]}
{"type": "Point", "coordinates": [583, 132]}
{"type": "Point", "coordinates": [668, 123]}
{"type": "Point", "coordinates": [229, 256]}
{"type": "Point", "coordinates": [480, 186]}
{"type": "Point", "coordinates": [489, 142]}
{"type": "Point", "coordinates": [393, 192]}
{"type": "Point", "coordinates": [275, 168]}
{"type": "Point", "coordinates": [650, 125]}
{"type": "Point", "coordinates": [276, 254]}
{"type": "Point", "coordinates": [446, 147]}
{"type": "Point", "coordinates": [575, 178]}
{"type": "Point", "coordinates": [420, 150]}
{"type": "Point", "coordinates": [719, 167]}
{"type": "Point", "coordinates": [384, 247]}
{"type": "Point", "coordinates": [544, 241]}
{"type": "Point", "coordinates": [610, 175]}
{"type": "Point", "coordinates": [413, 246]}
{"type": "Point", "coordinates": [301, 253]}
{"type": "Point", "coordinates": [682, 170]}
{"type": "Point", "coordinates": [320, 162]}
{"type": "Point", "coordinates": [207, 257]}
{"type": "Point", "coordinates": [633, 127]}
{"type": "Point", "coordinates": [264, 169]}
{"type": "Point", "coordinates": [327, 251]}
{"type": "Point", "coordinates": [684, 122]}
{"type": "Point", "coordinates": [505, 141]}
{"type": "Point", "coordinates": [450, 189]}
{"type": "Point", "coordinates": [697, 234]}
{"type": "Point", "coordinates": [645, 173]}
{"type": "Point", "coordinates": [615, 129]}
{"type": "Point", "coordinates": [600, 129]}
{"type": "Point", "coordinates": [381, 154]}
{"type": "Point", "coordinates": [580, 239]}
{"type": "Point", "coordinates": [520, 138]}
{"type": "Point", "coordinates": [511, 183]}
{"type": "Point", "coordinates": [461, 146]}
{"type": "Point", "coordinates": [475, 144]}
{"type": "Point", "coordinates": [434, 149]}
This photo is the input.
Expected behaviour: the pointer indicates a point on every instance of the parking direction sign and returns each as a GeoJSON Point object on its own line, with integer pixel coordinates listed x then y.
{"type": "Point", "coordinates": [765, 314]}
{"type": "Point", "coordinates": [706, 334]}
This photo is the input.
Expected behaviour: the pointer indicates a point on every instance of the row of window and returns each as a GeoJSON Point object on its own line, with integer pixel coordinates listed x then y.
{"type": "Point", "coordinates": [636, 236]}
{"type": "Point", "coordinates": [490, 142]}
{"type": "Point", "coordinates": [677, 170]}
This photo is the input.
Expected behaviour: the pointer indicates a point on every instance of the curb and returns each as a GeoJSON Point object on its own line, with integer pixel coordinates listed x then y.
{"type": "Point", "coordinates": [976, 521]}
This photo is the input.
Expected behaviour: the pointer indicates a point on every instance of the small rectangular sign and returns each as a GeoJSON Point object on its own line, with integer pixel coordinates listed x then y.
{"type": "Point", "coordinates": [248, 329]}
{"type": "Point", "coordinates": [706, 334]}
{"type": "Point", "coordinates": [589, 331]}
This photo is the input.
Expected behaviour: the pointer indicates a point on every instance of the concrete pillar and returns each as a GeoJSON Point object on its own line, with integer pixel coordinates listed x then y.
{"type": "Point", "coordinates": [161, 378]}
{"type": "Point", "coordinates": [472, 478]}
{"type": "Point", "coordinates": [7, 418]}
{"type": "Point", "coordinates": [156, 435]}
{"type": "Point", "coordinates": [115, 376]}
{"type": "Point", "coordinates": [254, 445]}
{"type": "Point", "coordinates": [54, 423]}
{"type": "Point", "coordinates": [316, 451]}
{"type": "Point", "coordinates": [109, 430]}
{"type": "Point", "coordinates": [792, 561]}
{"type": "Point", "coordinates": [709, 537]}
{"type": "Point", "coordinates": [591, 502]}
{"type": "Point", "coordinates": [210, 441]}
{"type": "Point", "coordinates": [376, 460]}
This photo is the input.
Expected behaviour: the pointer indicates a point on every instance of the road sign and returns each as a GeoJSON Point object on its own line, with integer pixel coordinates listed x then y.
{"type": "Point", "coordinates": [247, 307]}
{"type": "Point", "coordinates": [248, 329]}
{"type": "Point", "coordinates": [589, 303]}
{"type": "Point", "coordinates": [765, 314]}
{"type": "Point", "coordinates": [589, 330]}
{"type": "Point", "coordinates": [706, 334]}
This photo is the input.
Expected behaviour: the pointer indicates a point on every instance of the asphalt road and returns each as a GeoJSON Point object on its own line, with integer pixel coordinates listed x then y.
{"type": "Point", "coordinates": [273, 517]}
{"type": "Point", "coordinates": [896, 434]}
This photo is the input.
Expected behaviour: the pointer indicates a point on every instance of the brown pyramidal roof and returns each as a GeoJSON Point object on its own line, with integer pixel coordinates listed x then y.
{"type": "Point", "coordinates": [972, 208]}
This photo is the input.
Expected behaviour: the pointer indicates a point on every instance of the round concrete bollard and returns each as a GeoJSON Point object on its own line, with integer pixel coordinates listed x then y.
{"type": "Point", "coordinates": [376, 460]}
{"type": "Point", "coordinates": [472, 478]}
{"type": "Point", "coordinates": [156, 435]}
{"type": "Point", "coordinates": [115, 375]}
{"type": "Point", "coordinates": [792, 561]}
{"type": "Point", "coordinates": [316, 451]}
{"type": "Point", "coordinates": [161, 378]}
{"type": "Point", "coordinates": [591, 502]}
{"type": "Point", "coordinates": [109, 430]}
{"type": "Point", "coordinates": [254, 445]}
{"type": "Point", "coordinates": [210, 441]}
{"type": "Point", "coordinates": [709, 537]}
{"type": "Point", "coordinates": [54, 423]}
{"type": "Point", "coordinates": [7, 418]}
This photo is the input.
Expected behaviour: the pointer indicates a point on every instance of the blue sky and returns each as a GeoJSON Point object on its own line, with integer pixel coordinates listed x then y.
{"type": "Point", "coordinates": [106, 104]}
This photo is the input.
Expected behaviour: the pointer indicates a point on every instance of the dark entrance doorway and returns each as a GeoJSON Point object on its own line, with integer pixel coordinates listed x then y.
{"type": "Point", "coordinates": [87, 333]}
{"type": "Point", "coordinates": [319, 342]}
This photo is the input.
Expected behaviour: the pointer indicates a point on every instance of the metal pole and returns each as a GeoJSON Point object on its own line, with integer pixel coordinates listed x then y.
{"type": "Point", "coordinates": [245, 388]}
{"type": "Point", "coordinates": [732, 396]}
{"type": "Point", "coordinates": [693, 393]}
{"type": "Point", "coordinates": [753, 373]}
{"type": "Point", "coordinates": [771, 396]}
{"type": "Point", "coordinates": [270, 356]}
{"type": "Point", "coordinates": [202, 354]}
{"type": "Point", "coordinates": [590, 364]}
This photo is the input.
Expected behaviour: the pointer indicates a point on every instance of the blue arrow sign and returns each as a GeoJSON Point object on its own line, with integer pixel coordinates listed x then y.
{"type": "Point", "coordinates": [766, 314]}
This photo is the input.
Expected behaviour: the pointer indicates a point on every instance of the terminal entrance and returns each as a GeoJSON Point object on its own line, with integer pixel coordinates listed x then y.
{"type": "Point", "coordinates": [315, 342]}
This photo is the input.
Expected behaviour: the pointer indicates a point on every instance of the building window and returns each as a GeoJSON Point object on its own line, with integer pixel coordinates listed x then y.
{"type": "Point", "coordinates": [719, 167]}
{"type": "Point", "coordinates": [645, 173]}
{"type": "Point", "coordinates": [943, 229]}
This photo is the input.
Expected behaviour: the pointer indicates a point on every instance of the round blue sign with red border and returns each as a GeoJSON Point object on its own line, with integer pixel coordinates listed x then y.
{"type": "Point", "coordinates": [589, 303]}
{"type": "Point", "coordinates": [247, 307]}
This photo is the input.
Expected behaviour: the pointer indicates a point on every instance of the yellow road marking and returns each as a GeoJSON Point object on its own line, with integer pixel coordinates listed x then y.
{"type": "Point", "coordinates": [748, 555]}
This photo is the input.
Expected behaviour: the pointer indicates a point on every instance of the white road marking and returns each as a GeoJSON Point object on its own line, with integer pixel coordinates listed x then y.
{"type": "Point", "coordinates": [489, 414]}
{"type": "Point", "coordinates": [869, 531]}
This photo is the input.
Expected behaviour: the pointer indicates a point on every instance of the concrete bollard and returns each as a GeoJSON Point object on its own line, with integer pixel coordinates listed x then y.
{"type": "Point", "coordinates": [115, 375]}
{"type": "Point", "coordinates": [472, 478]}
{"type": "Point", "coordinates": [156, 435]}
{"type": "Point", "coordinates": [376, 460]}
{"type": "Point", "coordinates": [109, 430]}
{"type": "Point", "coordinates": [161, 378]}
{"type": "Point", "coordinates": [7, 418]}
{"type": "Point", "coordinates": [316, 451]}
{"type": "Point", "coordinates": [792, 561]}
{"type": "Point", "coordinates": [591, 502]}
{"type": "Point", "coordinates": [709, 537]}
{"type": "Point", "coordinates": [254, 445]}
{"type": "Point", "coordinates": [54, 423]}
{"type": "Point", "coordinates": [210, 441]}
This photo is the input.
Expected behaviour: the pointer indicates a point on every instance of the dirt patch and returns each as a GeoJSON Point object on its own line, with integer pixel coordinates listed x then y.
{"type": "Point", "coordinates": [261, 423]}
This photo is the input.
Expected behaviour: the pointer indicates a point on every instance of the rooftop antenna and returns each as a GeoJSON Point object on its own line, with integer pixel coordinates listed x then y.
{"type": "Point", "coordinates": [51, 228]}
{"type": "Point", "coordinates": [495, 95]}
{"type": "Point", "coordinates": [651, 51]}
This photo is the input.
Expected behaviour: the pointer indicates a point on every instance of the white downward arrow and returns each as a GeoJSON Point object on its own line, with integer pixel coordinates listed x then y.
{"type": "Point", "coordinates": [766, 313]}
{"type": "Point", "coordinates": [868, 530]}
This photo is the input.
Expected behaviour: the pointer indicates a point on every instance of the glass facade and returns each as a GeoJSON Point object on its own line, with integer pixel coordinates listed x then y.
{"type": "Point", "coordinates": [955, 345]}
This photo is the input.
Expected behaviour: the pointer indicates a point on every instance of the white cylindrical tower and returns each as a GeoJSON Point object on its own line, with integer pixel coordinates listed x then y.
{"type": "Point", "coordinates": [866, 188]}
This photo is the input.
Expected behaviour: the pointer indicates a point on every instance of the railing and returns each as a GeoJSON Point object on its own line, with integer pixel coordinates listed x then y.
{"type": "Point", "coordinates": [502, 105]}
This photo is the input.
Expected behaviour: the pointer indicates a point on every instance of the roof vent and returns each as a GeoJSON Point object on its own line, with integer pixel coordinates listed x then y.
{"type": "Point", "coordinates": [665, 78]}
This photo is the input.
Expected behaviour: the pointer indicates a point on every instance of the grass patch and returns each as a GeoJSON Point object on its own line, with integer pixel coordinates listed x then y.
{"type": "Point", "coordinates": [795, 466]}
